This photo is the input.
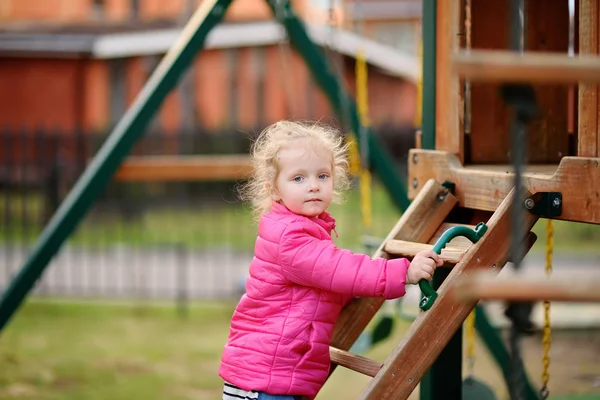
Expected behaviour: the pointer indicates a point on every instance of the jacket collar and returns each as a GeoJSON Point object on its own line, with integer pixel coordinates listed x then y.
{"type": "Point", "coordinates": [324, 219]}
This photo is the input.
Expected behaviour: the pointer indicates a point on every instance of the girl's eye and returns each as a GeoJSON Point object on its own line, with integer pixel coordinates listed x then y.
{"type": "Point", "coordinates": [323, 176]}
{"type": "Point", "coordinates": [298, 179]}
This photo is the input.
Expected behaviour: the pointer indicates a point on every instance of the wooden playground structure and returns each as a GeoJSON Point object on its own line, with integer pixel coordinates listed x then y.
{"type": "Point", "coordinates": [467, 174]}
{"type": "Point", "coordinates": [485, 76]}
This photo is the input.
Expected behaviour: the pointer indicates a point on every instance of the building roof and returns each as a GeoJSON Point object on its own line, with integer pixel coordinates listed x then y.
{"type": "Point", "coordinates": [103, 43]}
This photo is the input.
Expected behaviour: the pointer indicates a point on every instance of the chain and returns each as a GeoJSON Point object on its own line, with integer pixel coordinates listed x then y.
{"type": "Point", "coordinates": [547, 339]}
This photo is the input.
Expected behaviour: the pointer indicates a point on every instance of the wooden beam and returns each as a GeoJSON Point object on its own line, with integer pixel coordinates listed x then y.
{"type": "Point", "coordinates": [587, 144]}
{"type": "Point", "coordinates": [523, 287]}
{"type": "Point", "coordinates": [489, 138]}
{"type": "Point", "coordinates": [448, 133]}
{"type": "Point", "coordinates": [533, 67]}
{"type": "Point", "coordinates": [547, 30]}
{"type": "Point", "coordinates": [184, 168]}
{"type": "Point", "coordinates": [355, 362]}
{"type": "Point", "coordinates": [417, 224]}
{"type": "Point", "coordinates": [431, 331]}
{"type": "Point", "coordinates": [485, 187]}
{"type": "Point", "coordinates": [451, 254]}
{"type": "Point", "coordinates": [401, 248]}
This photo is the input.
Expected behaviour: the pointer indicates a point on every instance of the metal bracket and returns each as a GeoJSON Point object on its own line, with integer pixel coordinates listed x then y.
{"type": "Point", "coordinates": [545, 204]}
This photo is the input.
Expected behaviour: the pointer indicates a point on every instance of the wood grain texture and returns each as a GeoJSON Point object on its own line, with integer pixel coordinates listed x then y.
{"type": "Point", "coordinates": [481, 188]}
{"type": "Point", "coordinates": [355, 362]}
{"type": "Point", "coordinates": [564, 288]}
{"type": "Point", "coordinates": [448, 132]}
{"type": "Point", "coordinates": [402, 248]}
{"type": "Point", "coordinates": [431, 331]}
{"type": "Point", "coordinates": [587, 144]}
{"type": "Point", "coordinates": [418, 223]}
{"type": "Point", "coordinates": [509, 66]}
{"type": "Point", "coordinates": [184, 168]}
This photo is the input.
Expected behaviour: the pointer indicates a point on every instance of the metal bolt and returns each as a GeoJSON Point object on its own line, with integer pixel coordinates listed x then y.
{"type": "Point", "coordinates": [415, 183]}
{"type": "Point", "coordinates": [415, 158]}
{"type": "Point", "coordinates": [478, 259]}
{"type": "Point", "coordinates": [410, 379]}
{"type": "Point", "coordinates": [529, 203]}
{"type": "Point", "coordinates": [493, 265]}
{"type": "Point", "coordinates": [556, 202]}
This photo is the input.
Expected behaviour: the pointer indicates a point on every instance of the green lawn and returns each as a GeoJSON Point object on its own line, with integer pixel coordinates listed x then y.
{"type": "Point", "coordinates": [59, 350]}
{"type": "Point", "coordinates": [67, 351]}
{"type": "Point", "coordinates": [224, 224]}
{"type": "Point", "coordinates": [230, 225]}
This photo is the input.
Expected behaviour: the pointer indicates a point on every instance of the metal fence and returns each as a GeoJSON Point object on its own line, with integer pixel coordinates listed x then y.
{"type": "Point", "coordinates": [155, 240]}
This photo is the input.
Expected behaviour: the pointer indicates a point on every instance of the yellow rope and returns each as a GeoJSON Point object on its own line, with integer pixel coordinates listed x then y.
{"type": "Point", "coordinates": [362, 104]}
{"type": "Point", "coordinates": [547, 339]}
{"type": "Point", "coordinates": [419, 110]}
{"type": "Point", "coordinates": [353, 155]}
{"type": "Point", "coordinates": [470, 332]}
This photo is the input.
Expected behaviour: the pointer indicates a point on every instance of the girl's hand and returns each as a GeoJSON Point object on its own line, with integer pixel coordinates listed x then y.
{"type": "Point", "coordinates": [422, 266]}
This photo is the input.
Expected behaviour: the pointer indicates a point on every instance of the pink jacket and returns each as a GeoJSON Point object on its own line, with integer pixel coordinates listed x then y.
{"type": "Point", "coordinates": [299, 281]}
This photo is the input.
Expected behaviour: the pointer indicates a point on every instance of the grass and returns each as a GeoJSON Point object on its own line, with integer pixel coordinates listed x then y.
{"type": "Point", "coordinates": [56, 350]}
{"type": "Point", "coordinates": [60, 350]}
{"type": "Point", "coordinates": [223, 224]}
{"type": "Point", "coordinates": [230, 225]}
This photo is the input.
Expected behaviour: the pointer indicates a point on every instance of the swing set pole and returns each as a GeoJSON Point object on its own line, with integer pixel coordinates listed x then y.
{"type": "Point", "coordinates": [118, 144]}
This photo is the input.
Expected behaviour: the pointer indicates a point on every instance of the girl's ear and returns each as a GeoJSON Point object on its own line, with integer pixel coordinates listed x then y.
{"type": "Point", "coordinates": [272, 192]}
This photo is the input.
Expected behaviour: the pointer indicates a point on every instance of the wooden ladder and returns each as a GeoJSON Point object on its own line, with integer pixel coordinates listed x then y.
{"type": "Point", "coordinates": [433, 211]}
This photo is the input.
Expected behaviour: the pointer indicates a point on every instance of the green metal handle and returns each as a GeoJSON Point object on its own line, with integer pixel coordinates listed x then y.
{"type": "Point", "coordinates": [429, 295]}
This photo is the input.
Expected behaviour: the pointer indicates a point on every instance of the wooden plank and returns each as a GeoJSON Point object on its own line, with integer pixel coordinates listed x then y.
{"type": "Point", "coordinates": [588, 93]}
{"type": "Point", "coordinates": [401, 248]}
{"type": "Point", "coordinates": [184, 168]}
{"type": "Point", "coordinates": [448, 133]}
{"type": "Point", "coordinates": [547, 30]}
{"type": "Point", "coordinates": [489, 139]}
{"type": "Point", "coordinates": [523, 287]}
{"type": "Point", "coordinates": [539, 67]}
{"type": "Point", "coordinates": [417, 224]}
{"type": "Point", "coordinates": [452, 253]}
{"type": "Point", "coordinates": [355, 362]}
{"type": "Point", "coordinates": [577, 178]}
{"type": "Point", "coordinates": [431, 331]}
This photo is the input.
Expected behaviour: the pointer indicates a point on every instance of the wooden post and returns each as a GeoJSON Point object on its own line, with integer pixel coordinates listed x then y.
{"type": "Point", "coordinates": [588, 93]}
{"type": "Point", "coordinates": [448, 133]}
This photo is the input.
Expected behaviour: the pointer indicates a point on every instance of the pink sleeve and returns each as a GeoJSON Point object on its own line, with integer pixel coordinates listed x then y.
{"type": "Point", "coordinates": [310, 261]}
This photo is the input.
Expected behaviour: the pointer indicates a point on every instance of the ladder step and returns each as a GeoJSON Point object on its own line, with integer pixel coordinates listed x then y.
{"type": "Point", "coordinates": [532, 67]}
{"type": "Point", "coordinates": [402, 248]}
{"type": "Point", "coordinates": [357, 363]}
{"type": "Point", "coordinates": [522, 287]}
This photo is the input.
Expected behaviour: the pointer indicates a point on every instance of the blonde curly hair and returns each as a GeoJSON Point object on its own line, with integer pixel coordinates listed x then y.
{"type": "Point", "coordinates": [266, 148]}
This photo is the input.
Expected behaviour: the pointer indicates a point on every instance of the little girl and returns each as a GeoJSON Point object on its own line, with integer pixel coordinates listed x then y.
{"type": "Point", "coordinates": [278, 346]}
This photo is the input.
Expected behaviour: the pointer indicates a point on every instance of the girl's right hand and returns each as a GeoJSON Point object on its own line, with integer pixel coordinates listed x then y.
{"type": "Point", "coordinates": [423, 266]}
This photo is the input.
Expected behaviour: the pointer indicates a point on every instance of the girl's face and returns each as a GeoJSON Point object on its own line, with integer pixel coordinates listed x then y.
{"type": "Point", "coordinates": [304, 183]}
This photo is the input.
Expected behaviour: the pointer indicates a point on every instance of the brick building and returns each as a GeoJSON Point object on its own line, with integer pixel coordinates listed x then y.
{"type": "Point", "coordinates": [80, 63]}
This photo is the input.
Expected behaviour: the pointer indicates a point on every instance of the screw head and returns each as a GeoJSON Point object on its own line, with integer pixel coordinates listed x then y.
{"type": "Point", "coordinates": [529, 203]}
{"type": "Point", "coordinates": [415, 183]}
{"type": "Point", "coordinates": [415, 158]}
{"type": "Point", "coordinates": [556, 202]}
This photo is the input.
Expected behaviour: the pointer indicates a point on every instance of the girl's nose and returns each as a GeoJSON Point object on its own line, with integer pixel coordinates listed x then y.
{"type": "Point", "coordinates": [314, 186]}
